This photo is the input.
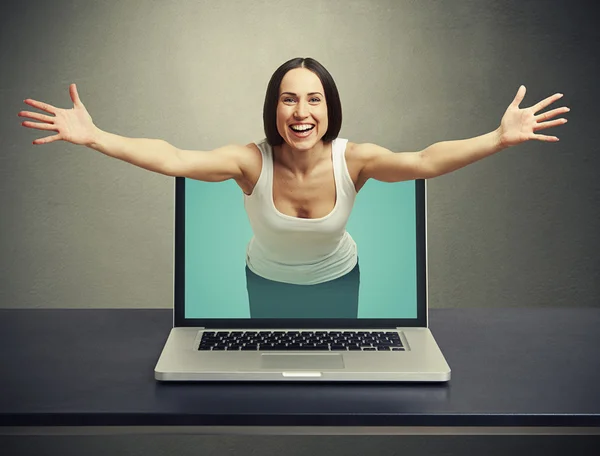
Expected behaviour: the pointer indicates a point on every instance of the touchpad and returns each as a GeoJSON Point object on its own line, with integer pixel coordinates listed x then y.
{"type": "Point", "coordinates": [302, 361]}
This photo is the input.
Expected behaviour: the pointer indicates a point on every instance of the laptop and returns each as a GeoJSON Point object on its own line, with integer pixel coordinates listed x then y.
{"type": "Point", "coordinates": [214, 337]}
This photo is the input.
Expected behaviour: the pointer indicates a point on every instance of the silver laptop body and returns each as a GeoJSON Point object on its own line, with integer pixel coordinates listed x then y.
{"type": "Point", "coordinates": [418, 359]}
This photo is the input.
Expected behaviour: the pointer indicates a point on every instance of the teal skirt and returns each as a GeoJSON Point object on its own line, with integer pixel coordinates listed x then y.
{"type": "Point", "coordinates": [336, 298]}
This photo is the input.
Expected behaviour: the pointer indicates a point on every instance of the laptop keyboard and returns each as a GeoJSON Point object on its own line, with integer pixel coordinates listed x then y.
{"type": "Point", "coordinates": [301, 341]}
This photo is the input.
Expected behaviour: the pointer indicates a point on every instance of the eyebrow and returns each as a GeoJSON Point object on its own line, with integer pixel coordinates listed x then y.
{"type": "Point", "coordinates": [295, 94]}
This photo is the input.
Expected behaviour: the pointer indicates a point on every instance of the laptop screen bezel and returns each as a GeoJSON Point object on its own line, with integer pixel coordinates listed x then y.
{"type": "Point", "coordinates": [300, 323]}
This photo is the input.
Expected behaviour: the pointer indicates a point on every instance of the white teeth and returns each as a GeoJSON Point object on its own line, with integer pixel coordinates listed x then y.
{"type": "Point", "coordinates": [301, 127]}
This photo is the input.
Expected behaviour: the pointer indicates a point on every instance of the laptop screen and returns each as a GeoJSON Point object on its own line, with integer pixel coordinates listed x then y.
{"type": "Point", "coordinates": [214, 284]}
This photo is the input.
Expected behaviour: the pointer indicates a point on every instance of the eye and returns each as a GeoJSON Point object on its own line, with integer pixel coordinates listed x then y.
{"type": "Point", "coordinates": [315, 100]}
{"type": "Point", "coordinates": [288, 100]}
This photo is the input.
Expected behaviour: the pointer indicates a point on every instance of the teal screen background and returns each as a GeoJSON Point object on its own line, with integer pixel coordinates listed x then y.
{"type": "Point", "coordinates": [217, 231]}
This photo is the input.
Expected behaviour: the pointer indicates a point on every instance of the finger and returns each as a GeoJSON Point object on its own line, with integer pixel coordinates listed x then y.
{"type": "Point", "coordinates": [74, 95]}
{"type": "Point", "coordinates": [39, 126]}
{"type": "Point", "coordinates": [544, 138]}
{"type": "Point", "coordinates": [551, 123]}
{"type": "Point", "coordinates": [550, 114]}
{"type": "Point", "coordinates": [519, 96]}
{"type": "Point", "coordinates": [47, 139]}
{"type": "Point", "coordinates": [546, 102]}
{"type": "Point", "coordinates": [36, 116]}
{"type": "Point", "coordinates": [40, 105]}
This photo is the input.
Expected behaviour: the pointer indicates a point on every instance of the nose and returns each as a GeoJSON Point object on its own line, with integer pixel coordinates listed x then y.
{"type": "Point", "coordinates": [301, 110]}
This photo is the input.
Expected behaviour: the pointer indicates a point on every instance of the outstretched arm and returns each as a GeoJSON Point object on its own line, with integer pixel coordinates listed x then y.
{"type": "Point", "coordinates": [76, 126]}
{"type": "Point", "coordinates": [517, 126]}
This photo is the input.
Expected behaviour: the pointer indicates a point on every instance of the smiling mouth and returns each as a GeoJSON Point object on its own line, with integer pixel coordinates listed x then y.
{"type": "Point", "coordinates": [301, 130]}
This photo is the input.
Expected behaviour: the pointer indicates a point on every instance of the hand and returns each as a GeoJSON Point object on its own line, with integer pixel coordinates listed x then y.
{"type": "Point", "coordinates": [519, 125]}
{"type": "Point", "coordinates": [73, 125]}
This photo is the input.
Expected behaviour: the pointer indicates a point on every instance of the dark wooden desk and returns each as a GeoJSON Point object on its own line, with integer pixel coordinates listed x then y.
{"type": "Point", "coordinates": [513, 370]}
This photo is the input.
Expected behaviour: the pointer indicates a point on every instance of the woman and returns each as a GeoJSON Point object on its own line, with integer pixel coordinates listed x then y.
{"type": "Point", "coordinates": [300, 183]}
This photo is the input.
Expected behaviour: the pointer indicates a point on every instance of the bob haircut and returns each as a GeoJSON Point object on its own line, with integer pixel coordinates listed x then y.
{"type": "Point", "coordinates": [332, 98]}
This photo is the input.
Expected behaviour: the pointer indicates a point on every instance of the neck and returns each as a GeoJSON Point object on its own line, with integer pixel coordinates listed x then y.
{"type": "Point", "coordinates": [301, 162]}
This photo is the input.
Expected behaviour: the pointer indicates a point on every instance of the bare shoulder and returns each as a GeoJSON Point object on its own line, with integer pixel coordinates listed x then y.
{"type": "Point", "coordinates": [249, 159]}
{"type": "Point", "coordinates": [246, 157]}
{"type": "Point", "coordinates": [358, 156]}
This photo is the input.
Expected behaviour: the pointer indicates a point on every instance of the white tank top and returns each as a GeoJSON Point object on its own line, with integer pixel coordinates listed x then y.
{"type": "Point", "coordinates": [298, 250]}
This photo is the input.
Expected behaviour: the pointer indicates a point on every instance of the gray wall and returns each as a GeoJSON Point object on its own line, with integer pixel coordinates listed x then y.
{"type": "Point", "coordinates": [79, 229]}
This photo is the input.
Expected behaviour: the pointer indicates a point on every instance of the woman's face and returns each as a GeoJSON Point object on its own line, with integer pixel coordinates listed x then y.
{"type": "Point", "coordinates": [301, 109]}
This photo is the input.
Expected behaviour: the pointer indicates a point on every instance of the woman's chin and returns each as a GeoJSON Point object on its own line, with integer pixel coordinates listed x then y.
{"type": "Point", "coordinates": [302, 143]}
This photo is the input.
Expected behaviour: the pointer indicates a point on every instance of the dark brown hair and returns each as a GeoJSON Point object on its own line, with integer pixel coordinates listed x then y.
{"type": "Point", "coordinates": [332, 98]}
